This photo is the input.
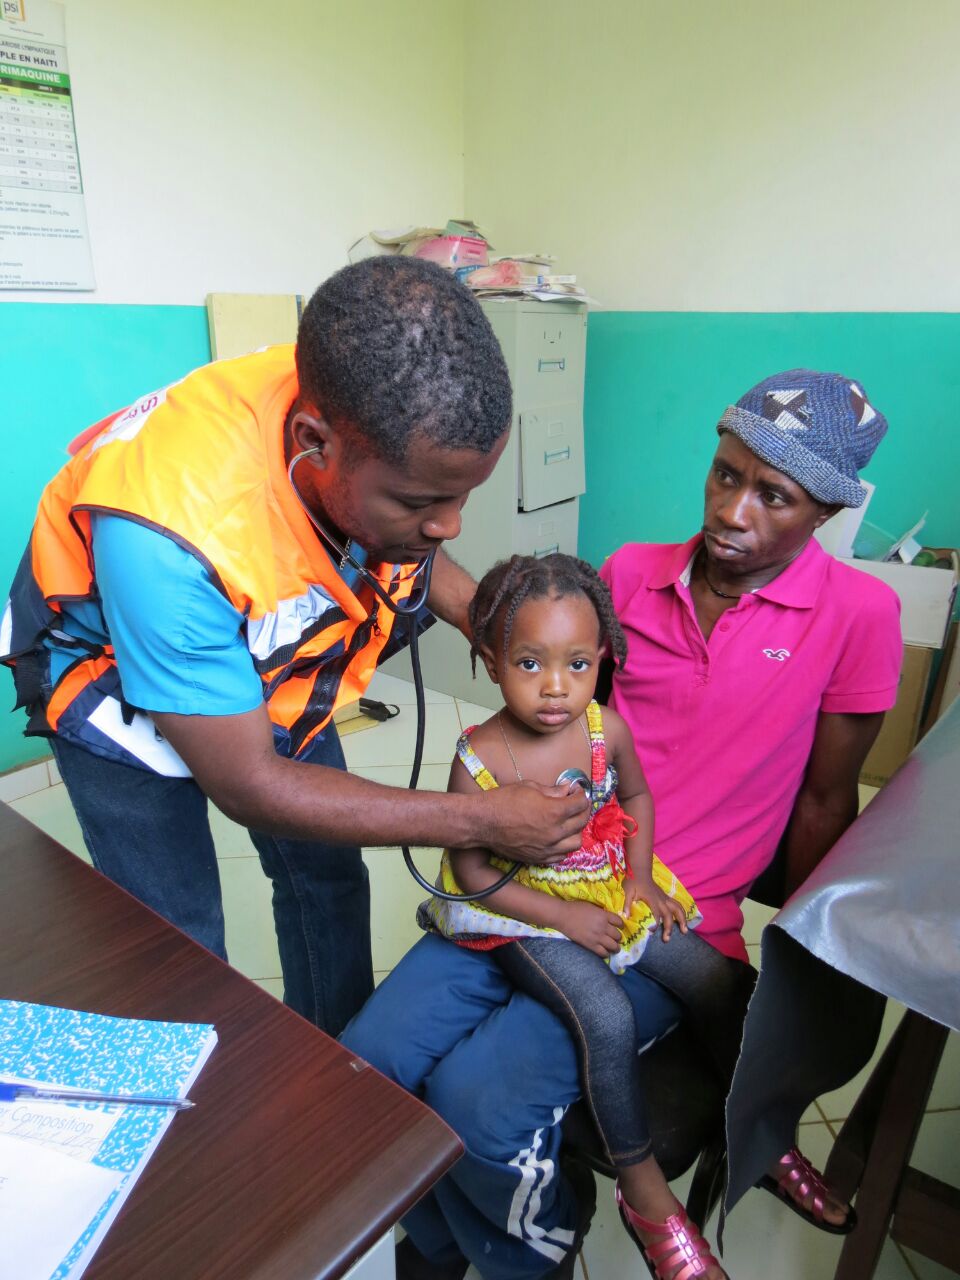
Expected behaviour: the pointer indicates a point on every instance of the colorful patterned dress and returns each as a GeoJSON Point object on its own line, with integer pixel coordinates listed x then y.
{"type": "Point", "coordinates": [595, 873]}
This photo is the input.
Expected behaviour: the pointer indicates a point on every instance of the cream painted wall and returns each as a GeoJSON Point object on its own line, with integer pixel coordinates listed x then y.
{"type": "Point", "coordinates": [758, 155]}
{"type": "Point", "coordinates": [241, 146]}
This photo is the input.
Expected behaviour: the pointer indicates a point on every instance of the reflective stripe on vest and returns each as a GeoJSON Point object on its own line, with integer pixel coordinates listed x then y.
{"type": "Point", "coordinates": [202, 462]}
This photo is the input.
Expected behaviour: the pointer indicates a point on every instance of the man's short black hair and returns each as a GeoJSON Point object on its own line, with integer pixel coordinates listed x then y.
{"type": "Point", "coordinates": [395, 347]}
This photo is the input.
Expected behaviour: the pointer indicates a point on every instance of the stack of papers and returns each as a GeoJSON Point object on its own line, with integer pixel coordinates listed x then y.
{"type": "Point", "coordinates": [530, 275]}
{"type": "Point", "coordinates": [66, 1168]}
{"type": "Point", "coordinates": [523, 275]}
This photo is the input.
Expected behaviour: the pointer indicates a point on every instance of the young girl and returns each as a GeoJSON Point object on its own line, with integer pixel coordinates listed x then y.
{"type": "Point", "coordinates": [563, 932]}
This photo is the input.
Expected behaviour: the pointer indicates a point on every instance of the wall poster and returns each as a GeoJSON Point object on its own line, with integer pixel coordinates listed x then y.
{"type": "Point", "coordinates": [43, 223]}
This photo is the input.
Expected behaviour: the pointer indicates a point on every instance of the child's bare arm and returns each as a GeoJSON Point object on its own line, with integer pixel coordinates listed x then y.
{"type": "Point", "coordinates": [583, 922]}
{"type": "Point", "coordinates": [637, 802]}
{"type": "Point", "coordinates": [632, 791]}
{"type": "Point", "coordinates": [474, 872]}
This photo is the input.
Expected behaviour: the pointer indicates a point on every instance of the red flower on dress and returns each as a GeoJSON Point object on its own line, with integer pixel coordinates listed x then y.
{"type": "Point", "coordinates": [607, 829]}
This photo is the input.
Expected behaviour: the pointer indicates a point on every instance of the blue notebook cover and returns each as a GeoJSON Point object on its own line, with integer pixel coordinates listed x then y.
{"type": "Point", "coordinates": [43, 1044]}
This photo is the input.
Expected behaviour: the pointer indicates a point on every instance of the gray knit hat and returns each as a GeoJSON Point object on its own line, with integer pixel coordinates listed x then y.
{"type": "Point", "coordinates": [817, 428]}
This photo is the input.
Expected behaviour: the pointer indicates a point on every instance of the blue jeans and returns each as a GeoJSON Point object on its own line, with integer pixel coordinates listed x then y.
{"type": "Point", "coordinates": [151, 835]}
{"type": "Point", "coordinates": [501, 1069]}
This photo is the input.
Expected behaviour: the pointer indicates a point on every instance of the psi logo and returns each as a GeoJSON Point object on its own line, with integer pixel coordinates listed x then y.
{"type": "Point", "coordinates": [14, 10]}
{"type": "Point", "coordinates": [778, 655]}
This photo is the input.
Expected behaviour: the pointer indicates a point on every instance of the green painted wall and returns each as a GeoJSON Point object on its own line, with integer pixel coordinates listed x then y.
{"type": "Point", "coordinates": [65, 366]}
{"type": "Point", "coordinates": [657, 382]}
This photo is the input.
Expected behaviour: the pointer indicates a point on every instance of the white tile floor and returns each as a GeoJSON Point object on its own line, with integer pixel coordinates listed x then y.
{"type": "Point", "coordinates": [763, 1240]}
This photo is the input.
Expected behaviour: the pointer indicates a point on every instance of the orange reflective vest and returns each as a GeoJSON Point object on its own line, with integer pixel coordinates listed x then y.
{"type": "Point", "coordinates": [201, 461]}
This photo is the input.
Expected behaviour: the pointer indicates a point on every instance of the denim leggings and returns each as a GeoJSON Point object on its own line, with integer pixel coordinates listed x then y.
{"type": "Point", "coordinates": [580, 988]}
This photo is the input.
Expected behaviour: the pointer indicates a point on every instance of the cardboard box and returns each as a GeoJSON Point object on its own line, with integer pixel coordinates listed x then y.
{"type": "Point", "coordinates": [946, 681]}
{"type": "Point", "coordinates": [901, 725]}
{"type": "Point", "coordinates": [926, 598]}
{"type": "Point", "coordinates": [926, 602]}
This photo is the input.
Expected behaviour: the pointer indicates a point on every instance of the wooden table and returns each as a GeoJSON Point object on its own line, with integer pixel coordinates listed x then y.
{"type": "Point", "coordinates": [297, 1157]}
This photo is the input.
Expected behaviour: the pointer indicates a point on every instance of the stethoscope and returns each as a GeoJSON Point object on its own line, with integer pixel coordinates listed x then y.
{"type": "Point", "coordinates": [406, 609]}
{"type": "Point", "coordinates": [424, 570]}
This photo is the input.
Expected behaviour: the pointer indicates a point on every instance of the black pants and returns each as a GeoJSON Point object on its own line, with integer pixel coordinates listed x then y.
{"type": "Point", "coordinates": [581, 989]}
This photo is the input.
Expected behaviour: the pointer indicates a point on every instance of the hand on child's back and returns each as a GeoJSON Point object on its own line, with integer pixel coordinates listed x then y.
{"type": "Point", "coordinates": [591, 926]}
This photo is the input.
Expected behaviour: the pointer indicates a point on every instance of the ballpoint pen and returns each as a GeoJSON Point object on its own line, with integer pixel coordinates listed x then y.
{"type": "Point", "coordinates": [11, 1092]}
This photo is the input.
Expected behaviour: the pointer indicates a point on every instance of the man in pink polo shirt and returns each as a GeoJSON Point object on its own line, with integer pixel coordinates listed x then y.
{"type": "Point", "coordinates": [759, 667]}
{"type": "Point", "coordinates": [757, 676]}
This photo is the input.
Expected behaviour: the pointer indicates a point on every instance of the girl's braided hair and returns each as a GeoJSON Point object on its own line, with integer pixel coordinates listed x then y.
{"type": "Point", "coordinates": [510, 582]}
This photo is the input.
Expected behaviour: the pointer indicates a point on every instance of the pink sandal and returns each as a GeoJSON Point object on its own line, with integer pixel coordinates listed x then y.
{"type": "Point", "coordinates": [798, 1180]}
{"type": "Point", "coordinates": [680, 1254]}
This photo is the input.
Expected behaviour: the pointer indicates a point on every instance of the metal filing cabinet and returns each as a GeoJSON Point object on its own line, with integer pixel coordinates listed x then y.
{"type": "Point", "coordinates": [530, 503]}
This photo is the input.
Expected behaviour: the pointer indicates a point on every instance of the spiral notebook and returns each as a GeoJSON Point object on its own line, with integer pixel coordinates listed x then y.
{"type": "Point", "coordinates": [67, 1168]}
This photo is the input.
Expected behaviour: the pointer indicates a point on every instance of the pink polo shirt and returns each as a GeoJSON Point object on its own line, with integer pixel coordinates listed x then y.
{"type": "Point", "coordinates": [724, 729]}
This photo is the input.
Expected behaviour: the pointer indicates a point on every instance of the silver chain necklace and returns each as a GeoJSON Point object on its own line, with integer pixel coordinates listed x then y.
{"type": "Point", "coordinates": [503, 735]}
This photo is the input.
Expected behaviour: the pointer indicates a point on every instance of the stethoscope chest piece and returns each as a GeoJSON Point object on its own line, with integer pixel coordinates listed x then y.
{"type": "Point", "coordinates": [577, 777]}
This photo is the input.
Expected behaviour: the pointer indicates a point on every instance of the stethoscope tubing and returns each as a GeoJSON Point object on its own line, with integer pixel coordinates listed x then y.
{"type": "Point", "coordinates": [404, 609]}
{"type": "Point", "coordinates": [421, 880]}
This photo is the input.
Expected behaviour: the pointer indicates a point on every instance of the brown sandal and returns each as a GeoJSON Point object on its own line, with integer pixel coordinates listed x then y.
{"type": "Point", "coordinates": [680, 1254]}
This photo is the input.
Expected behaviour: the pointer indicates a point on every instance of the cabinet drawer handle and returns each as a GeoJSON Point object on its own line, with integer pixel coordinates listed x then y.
{"type": "Point", "coordinates": [558, 455]}
{"type": "Point", "coordinates": [552, 366]}
{"type": "Point", "coordinates": [546, 551]}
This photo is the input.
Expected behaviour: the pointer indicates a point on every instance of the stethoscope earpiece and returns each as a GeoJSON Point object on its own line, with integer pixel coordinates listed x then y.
{"type": "Point", "coordinates": [317, 448]}
{"type": "Point", "coordinates": [407, 608]}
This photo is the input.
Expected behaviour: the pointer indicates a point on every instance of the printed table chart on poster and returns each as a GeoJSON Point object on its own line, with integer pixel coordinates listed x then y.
{"type": "Point", "coordinates": [38, 145]}
{"type": "Point", "coordinates": [43, 222]}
